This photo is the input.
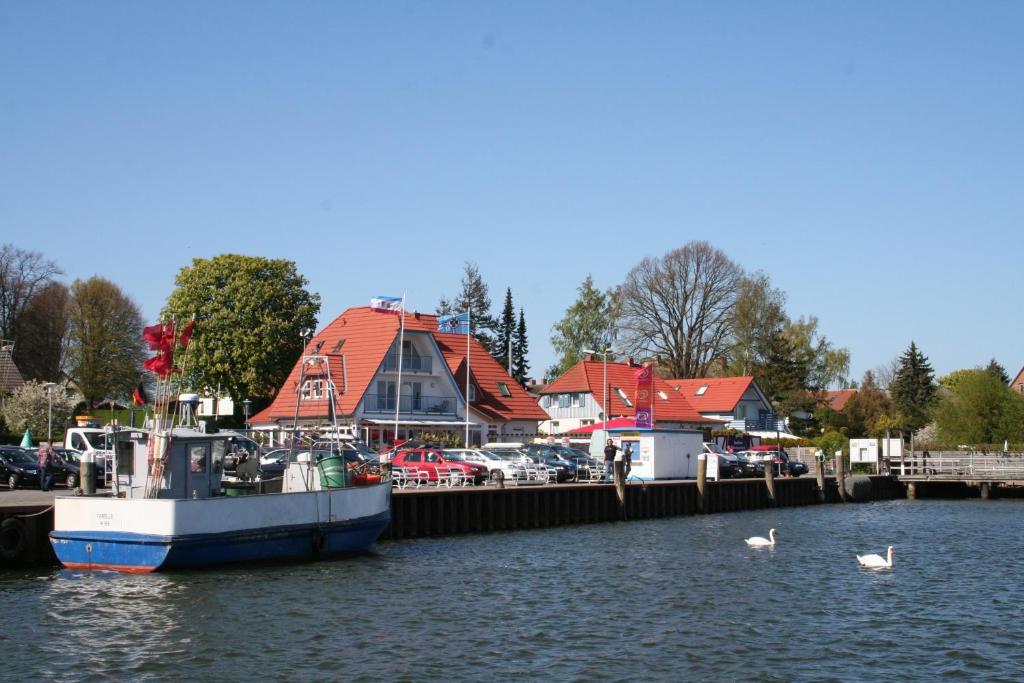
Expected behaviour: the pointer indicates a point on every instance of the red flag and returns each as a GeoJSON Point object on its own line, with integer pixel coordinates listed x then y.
{"type": "Point", "coordinates": [186, 334]}
{"type": "Point", "coordinates": [139, 395]}
{"type": "Point", "coordinates": [153, 335]}
{"type": "Point", "coordinates": [158, 365]}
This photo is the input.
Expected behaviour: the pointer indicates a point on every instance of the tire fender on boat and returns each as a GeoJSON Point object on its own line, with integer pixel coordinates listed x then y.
{"type": "Point", "coordinates": [13, 538]}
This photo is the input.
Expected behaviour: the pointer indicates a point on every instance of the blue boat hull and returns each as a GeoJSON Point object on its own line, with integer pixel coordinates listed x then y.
{"type": "Point", "coordinates": [143, 553]}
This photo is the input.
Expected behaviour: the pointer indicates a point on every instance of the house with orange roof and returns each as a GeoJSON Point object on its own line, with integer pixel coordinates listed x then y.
{"type": "Point", "coordinates": [355, 359]}
{"type": "Point", "coordinates": [837, 400]}
{"type": "Point", "coordinates": [737, 401]}
{"type": "Point", "coordinates": [577, 399]}
{"type": "Point", "coordinates": [1017, 383]}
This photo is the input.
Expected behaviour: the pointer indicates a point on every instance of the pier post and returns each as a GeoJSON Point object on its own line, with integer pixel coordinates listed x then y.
{"type": "Point", "coordinates": [769, 481]}
{"type": "Point", "coordinates": [840, 475]}
{"type": "Point", "coordinates": [702, 475]}
{"type": "Point", "coordinates": [911, 490]}
{"type": "Point", "coordinates": [986, 490]}
{"type": "Point", "coordinates": [619, 472]}
{"type": "Point", "coordinates": [819, 474]}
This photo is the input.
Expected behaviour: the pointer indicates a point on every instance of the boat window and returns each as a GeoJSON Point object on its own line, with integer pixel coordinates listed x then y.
{"type": "Point", "coordinates": [197, 459]}
{"type": "Point", "coordinates": [218, 456]}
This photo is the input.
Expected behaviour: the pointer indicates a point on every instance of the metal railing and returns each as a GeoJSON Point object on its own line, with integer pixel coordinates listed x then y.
{"type": "Point", "coordinates": [960, 465]}
{"type": "Point", "coordinates": [410, 404]}
{"type": "Point", "coordinates": [768, 423]}
{"type": "Point", "coordinates": [424, 364]}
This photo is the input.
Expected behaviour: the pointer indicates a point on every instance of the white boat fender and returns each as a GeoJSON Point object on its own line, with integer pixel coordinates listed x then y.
{"type": "Point", "coordinates": [13, 538]}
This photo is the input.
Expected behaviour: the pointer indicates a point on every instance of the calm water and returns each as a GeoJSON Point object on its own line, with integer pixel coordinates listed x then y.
{"type": "Point", "coordinates": [680, 599]}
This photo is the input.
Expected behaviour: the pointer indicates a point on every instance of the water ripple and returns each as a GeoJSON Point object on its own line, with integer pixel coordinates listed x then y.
{"type": "Point", "coordinates": [667, 599]}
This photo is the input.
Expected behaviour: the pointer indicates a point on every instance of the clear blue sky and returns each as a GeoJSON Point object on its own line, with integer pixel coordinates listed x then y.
{"type": "Point", "coordinates": [867, 155]}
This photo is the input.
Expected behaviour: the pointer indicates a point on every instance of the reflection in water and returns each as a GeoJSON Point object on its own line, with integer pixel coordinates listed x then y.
{"type": "Point", "coordinates": [664, 599]}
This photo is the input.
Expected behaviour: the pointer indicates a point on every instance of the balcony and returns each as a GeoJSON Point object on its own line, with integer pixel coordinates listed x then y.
{"type": "Point", "coordinates": [411, 405]}
{"type": "Point", "coordinates": [765, 423]}
{"type": "Point", "coordinates": [423, 364]}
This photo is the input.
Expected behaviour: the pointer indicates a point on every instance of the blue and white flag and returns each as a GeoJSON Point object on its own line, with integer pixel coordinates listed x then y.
{"type": "Point", "coordinates": [386, 304]}
{"type": "Point", "coordinates": [457, 323]}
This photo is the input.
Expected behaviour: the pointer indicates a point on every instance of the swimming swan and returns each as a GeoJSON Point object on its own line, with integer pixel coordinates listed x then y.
{"type": "Point", "coordinates": [876, 561]}
{"type": "Point", "coordinates": [757, 541]}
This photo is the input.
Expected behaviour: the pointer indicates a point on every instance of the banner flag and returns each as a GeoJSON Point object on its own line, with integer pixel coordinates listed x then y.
{"type": "Point", "coordinates": [644, 397]}
{"type": "Point", "coordinates": [386, 304]}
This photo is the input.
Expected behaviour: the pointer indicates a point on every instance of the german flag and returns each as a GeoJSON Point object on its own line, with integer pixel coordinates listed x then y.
{"type": "Point", "coordinates": [139, 395]}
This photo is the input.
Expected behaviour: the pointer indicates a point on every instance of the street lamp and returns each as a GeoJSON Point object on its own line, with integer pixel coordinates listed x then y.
{"type": "Point", "coordinates": [49, 411]}
{"type": "Point", "coordinates": [604, 390]}
{"type": "Point", "coordinates": [246, 407]}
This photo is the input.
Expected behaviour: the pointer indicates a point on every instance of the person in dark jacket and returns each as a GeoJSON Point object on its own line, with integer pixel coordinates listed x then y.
{"type": "Point", "coordinates": [47, 462]}
{"type": "Point", "coordinates": [609, 459]}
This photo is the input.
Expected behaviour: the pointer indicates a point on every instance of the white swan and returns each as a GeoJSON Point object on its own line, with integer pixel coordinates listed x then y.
{"type": "Point", "coordinates": [758, 541]}
{"type": "Point", "coordinates": [876, 561]}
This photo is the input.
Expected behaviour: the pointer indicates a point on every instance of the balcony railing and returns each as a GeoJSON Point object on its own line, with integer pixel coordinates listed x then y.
{"type": "Point", "coordinates": [422, 364]}
{"type": "Point", "coordinates": [766, 423]}
{"type": "Point", "coordinates": [411, 404]}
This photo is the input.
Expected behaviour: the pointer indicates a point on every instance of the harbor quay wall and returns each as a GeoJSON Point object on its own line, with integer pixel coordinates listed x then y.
{"type": "Point", "coordinates": [428, 512]}
{"type": "Point", "coordinates": [432, 511]}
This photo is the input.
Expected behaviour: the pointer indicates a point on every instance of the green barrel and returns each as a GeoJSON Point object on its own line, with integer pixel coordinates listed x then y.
{"type": "Point", "coordinates": [332, 472]}
{"type": "Point", "coordinates": [238, 488]}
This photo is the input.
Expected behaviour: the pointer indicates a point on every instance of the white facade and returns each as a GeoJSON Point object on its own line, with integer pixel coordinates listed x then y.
{"type": "Point", "coordinates": [568, 411]}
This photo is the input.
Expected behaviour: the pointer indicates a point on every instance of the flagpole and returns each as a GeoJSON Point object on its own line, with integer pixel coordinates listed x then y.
{"type": "Point", "coordinates": [398, 384]}
{"type": "Point", "coordinates": [469, 325]}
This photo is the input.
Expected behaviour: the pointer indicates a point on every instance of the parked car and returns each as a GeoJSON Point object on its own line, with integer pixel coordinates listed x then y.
{"type": "Point", "coordinates": [357, 456]}
{"type": "Point", "coordinates": [509, 466]}
{"type": "Point", "coordinates": [750, 464]}
{"type": "Point", "coordinates": [69, 472]}
{"type": "Point", "coordinates": [728, 464]}
{"type": "Point", "coordinates": [549, 455]}
{"type": "Point", "coordinates": [430, 459]}
{"type": "Point", "coordinates": [780, 463]}
{"type": "Point", "coordinates": [18, 467]}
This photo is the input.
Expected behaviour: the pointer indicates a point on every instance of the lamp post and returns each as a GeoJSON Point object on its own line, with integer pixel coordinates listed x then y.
{"type": "Point", "coordinates": [49, 411]}
{"type": "Point", "coordinates": [604, 390]}
{"type": "Point", "coordinates": [246, 407]}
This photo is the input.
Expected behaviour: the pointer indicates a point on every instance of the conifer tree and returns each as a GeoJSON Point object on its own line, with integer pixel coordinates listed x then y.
{"type": "Point", "coordinates": [506, 333]}
{"type": "Point", "coordinates": [520, 347]}
{"type": "Point", "coordinates": [913, 387]}
{"type": "Point", "coordinates": [475, 299]}
{"type": "Point", "coordinates": [998, 371]}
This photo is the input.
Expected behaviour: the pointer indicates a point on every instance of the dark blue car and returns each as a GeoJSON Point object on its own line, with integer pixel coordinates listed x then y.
{"type": "Point", "coordinates": [18, 468]}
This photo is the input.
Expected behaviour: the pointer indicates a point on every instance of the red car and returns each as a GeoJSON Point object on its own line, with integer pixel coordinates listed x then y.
{"type": "Point", "coordinates": [430, 459]}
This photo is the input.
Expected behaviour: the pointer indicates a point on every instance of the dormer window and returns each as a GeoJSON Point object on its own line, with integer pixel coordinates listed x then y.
{"type": "Point", "coordinates": [503, 388]}
{"type": "Point", "coordinates": [662, 395]}
{"type": "Point", "coordinates": [472, 393]}
{"type": "Point", "coordinates": [312, 389]}
{"type": "Point", "coordinates": [701, 390]}
{"type": "Point", "coordinates": [623, 397]}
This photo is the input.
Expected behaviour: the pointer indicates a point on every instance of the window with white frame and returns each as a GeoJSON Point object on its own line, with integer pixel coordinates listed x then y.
{"type": "Point", "coordinates": [563, 400]}
{"type": "Point", "coordinates": [622, 395]}
{"type": "Point", "coordinates": [312, 389]}
{"type": "Point", "coordinates": [472, 393]}
{"type": "Point", "coordinates": [503, 388]}
{"type": "Point", "coordinates": [701, 390]}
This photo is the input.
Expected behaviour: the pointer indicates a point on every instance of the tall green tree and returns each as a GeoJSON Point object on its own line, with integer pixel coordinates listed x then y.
{"type": "Point", "coordinates": [589, 323]}
{"type": "Point", "coordinates": [42, 326]}
{"type": "Point", "coordinates": [869, 410]}
{"type": "Point", "coordinates": [980, 409]}
{"type": "Point", "coordinates": [105, 347]}
{"type": "Point", "coordinates": [506, 332]}
{"type": "Point", "coordinates": [474, 298]}
{"type": "Point", "coordinates": [520, 349]}
{"type": "Point", "coordinates": [998, 371]}
{"type": "Point", "coordinates": [759, 315]}
{"type": "Point", "coordinates": [249, 314]}
{"type": "Point", "coordinates": [913, 387]}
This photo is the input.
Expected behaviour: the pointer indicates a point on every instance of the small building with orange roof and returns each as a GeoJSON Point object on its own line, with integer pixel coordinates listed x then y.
{"type": "Point", "coordinates": [737, 401]}
{"type": "Point", "coordinates": [361, 347]}
{"type": "Point", "coordinates": [577, 399]}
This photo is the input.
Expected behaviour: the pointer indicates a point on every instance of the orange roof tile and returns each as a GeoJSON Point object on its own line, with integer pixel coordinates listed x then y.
{"type": "Point", "coordinates": [837, 400]}
{"type": "Point", "coordinates": [721, 395]}
{"type": "Point", "coordinates": [588, 377]}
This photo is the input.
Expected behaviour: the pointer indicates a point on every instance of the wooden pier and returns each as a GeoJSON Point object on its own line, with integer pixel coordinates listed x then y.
{"type": "Point", "coordinates": [959, 473]}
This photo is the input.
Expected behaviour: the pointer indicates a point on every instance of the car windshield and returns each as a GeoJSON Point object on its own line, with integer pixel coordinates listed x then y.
{"type": "Point", "coordinates": [454, 455]}
{"type": "Point", "coordinates": [20, 457]}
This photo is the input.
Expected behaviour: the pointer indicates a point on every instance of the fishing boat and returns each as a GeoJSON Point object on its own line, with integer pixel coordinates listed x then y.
{"type": "Point", "coordinates": [171, 507]}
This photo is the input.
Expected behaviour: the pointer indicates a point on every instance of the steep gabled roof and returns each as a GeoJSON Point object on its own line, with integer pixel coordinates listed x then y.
{"type": "Point", "coordinates": [719, 395]}
{"type": "Point", "coordinates": [588, 377]}
{"type": "Point", "coordinates": [486, 373]}
{"type": "Point", "coordinates": [10, 377]}
{"type": "Point", "coordinates": [356, 344]}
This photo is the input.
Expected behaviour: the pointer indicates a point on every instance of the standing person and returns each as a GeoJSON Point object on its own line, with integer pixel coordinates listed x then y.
{"type": "Point", "coordinates": [46, 463]}
{"type": "Point", "coordinates": [609, 459]}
